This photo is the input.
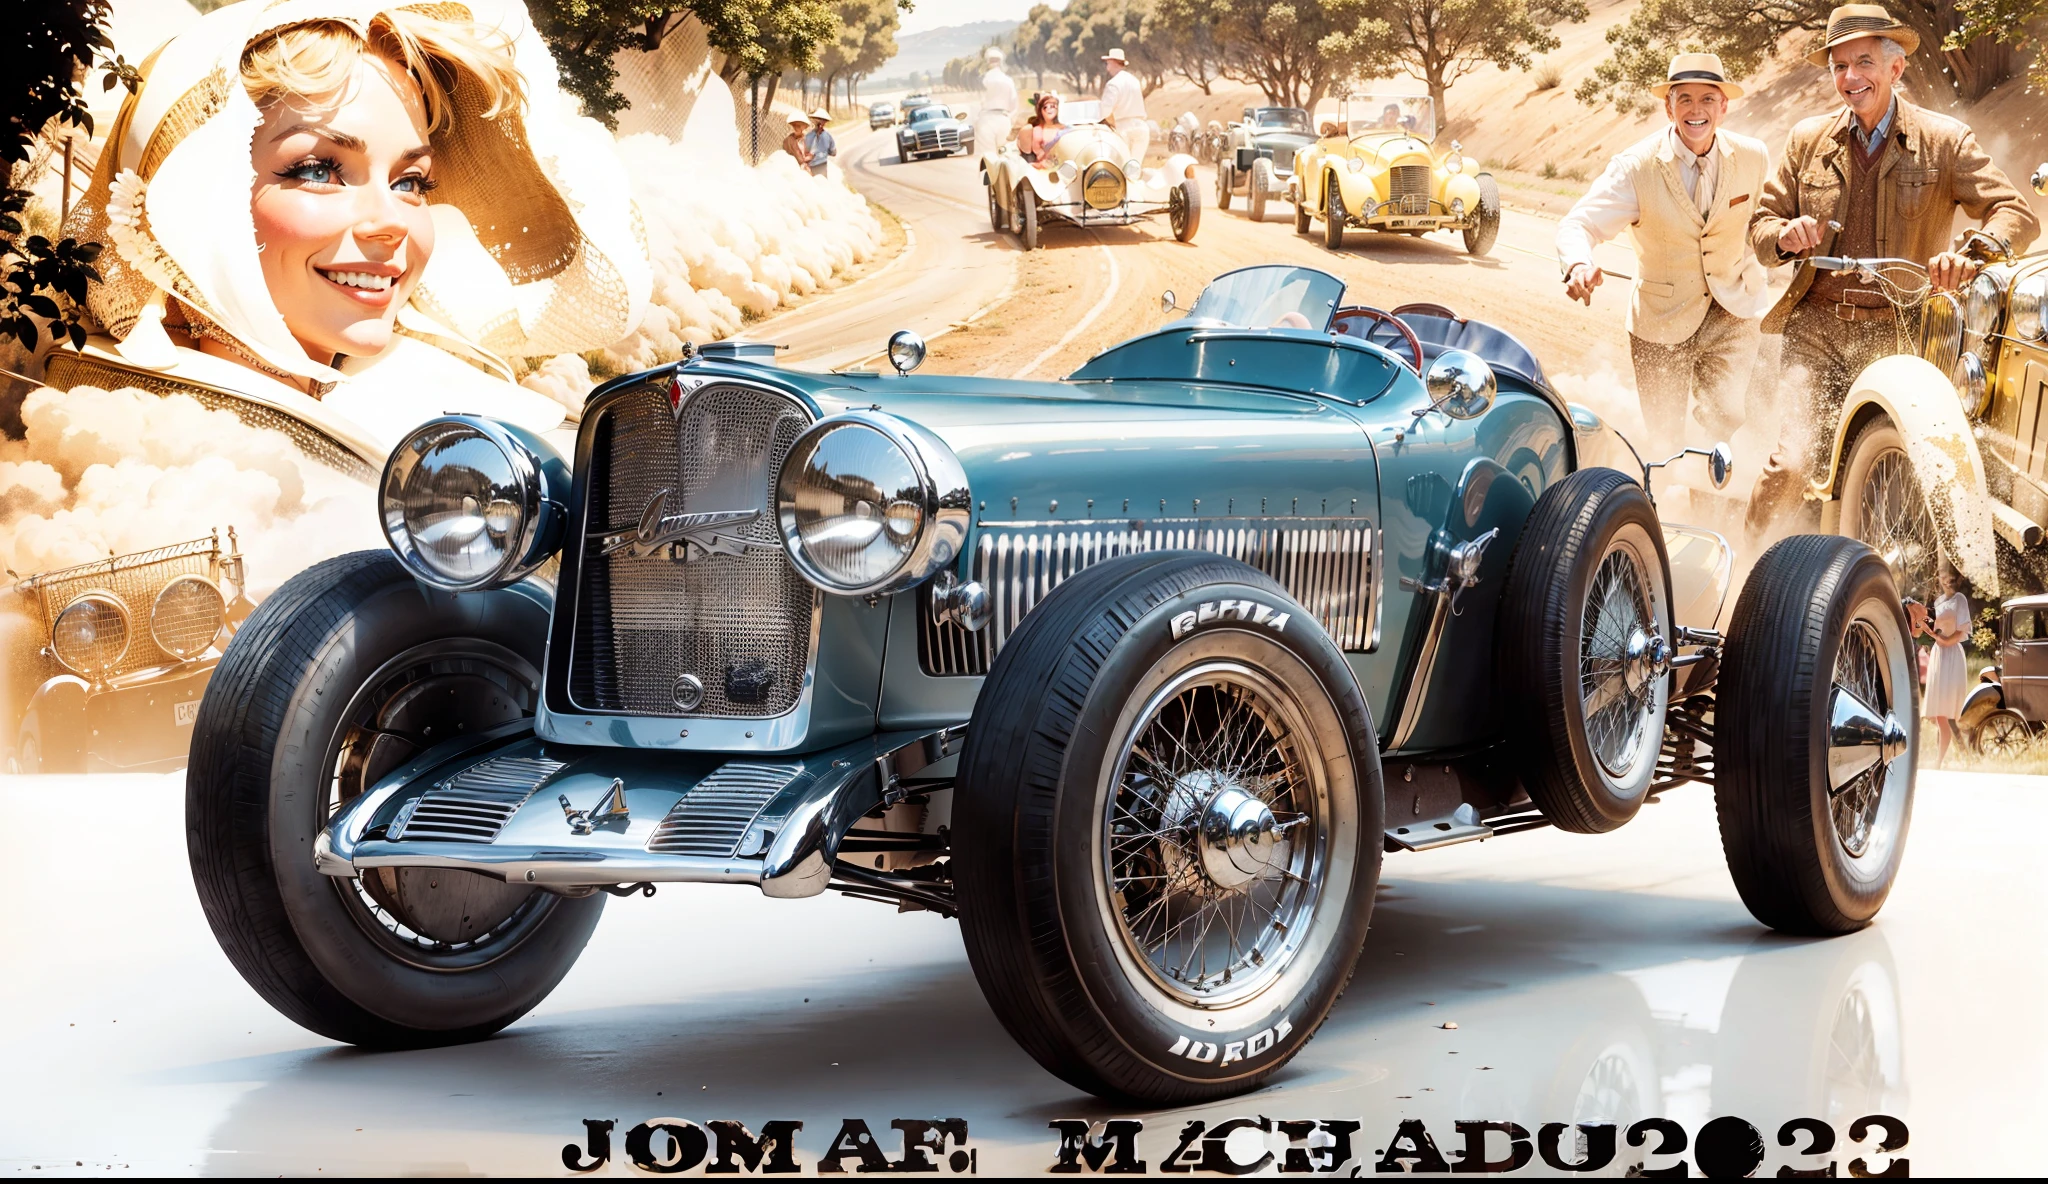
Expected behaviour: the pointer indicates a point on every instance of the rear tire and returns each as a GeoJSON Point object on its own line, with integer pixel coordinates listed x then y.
{"type": "Point", "coordinates": [1814, 842]}
{"type": "Point", "coordinates": [2003, 736]}
{"type": "Point", "coordinates": [1333, 214]}
{"type": "Point", "coordinates": [1584, 640]}
{"type": "Point", "coordinates": [342, 674]}
{"type": "Point", "coordinates": [1303, 221]}
{"type": "Point", "coordinates": [1224, 184]}
{"type": "Point", "coordinates": [1082, 848]}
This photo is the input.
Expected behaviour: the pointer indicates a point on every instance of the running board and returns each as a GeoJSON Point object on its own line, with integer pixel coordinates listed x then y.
{"type": "Point", "coordinates": [524, 810]}
{"type": "Point", "coordinates": [1461, 825]}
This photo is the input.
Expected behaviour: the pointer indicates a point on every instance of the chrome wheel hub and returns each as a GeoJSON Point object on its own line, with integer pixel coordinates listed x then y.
{"type": "Point", "coordinates": [1226, 834]}
{"type": "Point", "coordinates": [1864, 738]}
{"type": "Point", "coordinates": [1622, 660]}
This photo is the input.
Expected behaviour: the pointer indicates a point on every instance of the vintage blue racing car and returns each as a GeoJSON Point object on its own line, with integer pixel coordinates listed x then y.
{"type": "Point", "coordinates": [1138, 674]}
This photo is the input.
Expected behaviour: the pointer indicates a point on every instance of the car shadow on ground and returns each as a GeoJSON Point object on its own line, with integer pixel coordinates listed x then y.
{"type": "Point", "coordinates": [1399, 249]}
{"type": "Point", "coordinates": [902, 1042]}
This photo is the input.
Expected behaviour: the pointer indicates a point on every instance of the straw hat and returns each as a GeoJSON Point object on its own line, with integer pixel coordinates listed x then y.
{"type": "Point", "coordinates": [822, 115]}
{"type": "Point", "coordinates": [1697, 67]}
{"type": "Point", "coordinates": [1116, 55]}
{"type": "Point", "coordinates": [1851, 21]}
{"type": "Point", "coordinates": [798, 119]}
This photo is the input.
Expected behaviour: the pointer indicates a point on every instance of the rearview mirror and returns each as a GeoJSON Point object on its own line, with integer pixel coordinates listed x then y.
{"type": "Point", "coordinates": [1720, 463]}
{"type": "Point", "coordinates": [1461, 384]}
{"type": "Point", "coordinates": [1167, 302]}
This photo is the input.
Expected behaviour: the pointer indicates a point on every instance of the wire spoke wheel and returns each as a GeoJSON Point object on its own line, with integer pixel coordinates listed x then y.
{"type": "Point", "coordinates": [1891, 515]}
{"type": "Point", "coordinates": [436, 918]}
{"type": "Point", "coordinates": [1617, 668]}
{"type": "Point", "coordinates": [1213, 834]}
{"type": "Point", "coordinates": [2003, 736]}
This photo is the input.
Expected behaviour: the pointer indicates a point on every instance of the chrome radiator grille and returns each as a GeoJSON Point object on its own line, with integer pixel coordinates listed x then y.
{"type": "Point", "coordinates": [1941, 331]}
{"type": "Point", "coordinates": [739, 625]}
{"type": "Point", "coordinates": [472, 806]}
{"type": "Point", "coordinates": [1408, 189]}
{"type": "Point", "coordinates": [1326, 564]}
{"type": "Point", "coordinates": [712, 818]}
{"type": "Point", "coordinates": [948, 139]}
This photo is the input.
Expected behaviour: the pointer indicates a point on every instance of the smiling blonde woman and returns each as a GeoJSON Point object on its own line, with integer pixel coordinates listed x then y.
{"type": "Point", "coordinates": [416, 212]}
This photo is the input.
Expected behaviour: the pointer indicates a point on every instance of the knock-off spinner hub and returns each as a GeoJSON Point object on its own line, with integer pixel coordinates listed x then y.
{"type": "Point", "coordinates": [1645, 659]}
{"type": "Point", "coordinates": [1236, 835]}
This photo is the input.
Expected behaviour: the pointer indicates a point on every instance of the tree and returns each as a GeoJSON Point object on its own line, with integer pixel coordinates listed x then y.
{"type": "Point", "coordinates": [45, 50]}
{"type": "Point", "coordinates": [1032, 46]}
{"type": "Point", "coordinates": [1300, 50]}
{"type": "Point", "coordinates": [866, 38]}
{"type": "Point", "coordinates": [1745, 32]}
{"type": "Point", "coordinates": [758, 38]}
{"type": "Point", "coordinates": [1441, 41]}
{"type": "Point", "coordinates": [1183, 33]}
{"type": "Point", "coordinates": [2008, 22]}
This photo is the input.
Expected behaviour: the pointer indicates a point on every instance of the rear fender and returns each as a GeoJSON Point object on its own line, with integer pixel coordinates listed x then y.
{"type": "Point", "coordinates": [1920, 399]}
{"type": "Point", "coordinates": [1178, 167]}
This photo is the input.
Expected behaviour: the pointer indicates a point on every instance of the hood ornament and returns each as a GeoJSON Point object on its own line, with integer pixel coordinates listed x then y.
{"type": "Point", "coordinates": [681, 536]}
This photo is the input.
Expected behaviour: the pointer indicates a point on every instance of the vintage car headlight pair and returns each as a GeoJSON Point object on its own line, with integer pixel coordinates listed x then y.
{"type": "Point", "coordinates": [870, 504]}
{"type": "Point", "coordinates": [470, 503]}
{"type": "Point", "coordinates": [92, 634]}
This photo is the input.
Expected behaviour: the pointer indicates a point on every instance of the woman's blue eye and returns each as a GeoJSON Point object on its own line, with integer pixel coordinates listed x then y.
{"type": "Point", "coordinates": [319, 172]}
{"type": "Point", "coordinates": [414, 183]}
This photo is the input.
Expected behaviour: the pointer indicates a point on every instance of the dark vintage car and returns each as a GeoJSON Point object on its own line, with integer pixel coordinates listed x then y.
{"type": "Point", "coordinates": [108, 660]}
{"type": "Point", "coordinates": [1258, 161]}
{"type": "Point", "coordinates": [2006, 710]}
{"type": "Point", "coordinates": [933, 131]}
{"type": "Point", "coordinates": [882, 114]}
{"type": "Point", "coordinates": [1138, 674]}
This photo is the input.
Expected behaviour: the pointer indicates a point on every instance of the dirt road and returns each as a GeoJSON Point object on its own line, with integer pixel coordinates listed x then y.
{"type": "Point", "coordinates": [1083, 290]}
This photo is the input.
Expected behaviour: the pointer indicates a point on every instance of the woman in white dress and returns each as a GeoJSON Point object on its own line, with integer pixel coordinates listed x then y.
{"type": "Point", "coordinates": [1947, 674]}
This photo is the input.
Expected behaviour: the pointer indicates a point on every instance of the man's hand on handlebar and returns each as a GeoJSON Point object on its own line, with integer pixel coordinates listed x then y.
{"type": "Point", "coordinates": [1580, 281]}
{"type": "Point", "coordinates": [1950, 270]}
{"type": "Point", "coordinates": [1800, 235]}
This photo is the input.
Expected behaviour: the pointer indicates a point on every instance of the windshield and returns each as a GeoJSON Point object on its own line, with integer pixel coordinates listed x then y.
{"type": "Point", "coordinates": [928, 114]}
{"type": "Point", "coordinates": [1360, 115]}
{"type": "Point", "coordinates": [1270, 297]}
{"type": "Point", "coordinates": [1081, 111]}
{"type": "Point", "coordinates": [1280, 119]}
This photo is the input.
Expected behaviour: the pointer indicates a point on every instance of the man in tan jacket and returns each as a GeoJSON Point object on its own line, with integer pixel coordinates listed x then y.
{"type": "Point", "coordinates": [1891, 177]}
{"type": "Point", "coordinates": [1684, 195]}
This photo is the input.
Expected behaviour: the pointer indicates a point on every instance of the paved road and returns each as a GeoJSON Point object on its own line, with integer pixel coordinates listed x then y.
{"type": "Point", "coordinates": [1591, 977]}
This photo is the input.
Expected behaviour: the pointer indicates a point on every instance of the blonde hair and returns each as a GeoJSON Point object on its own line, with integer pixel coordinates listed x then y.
{"type": "Point", "coordinates": [441, 56]}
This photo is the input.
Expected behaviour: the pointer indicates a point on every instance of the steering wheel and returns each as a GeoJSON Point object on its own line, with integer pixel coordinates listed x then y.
{"type": "Point", "coordinates": [1343, 323]}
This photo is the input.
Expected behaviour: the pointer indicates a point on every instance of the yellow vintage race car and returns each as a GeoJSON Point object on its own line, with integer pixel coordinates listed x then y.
{"type": "Point", "coordinates": [1089, 179]}
{"type": "Point", "coordinates": [1376, 165]}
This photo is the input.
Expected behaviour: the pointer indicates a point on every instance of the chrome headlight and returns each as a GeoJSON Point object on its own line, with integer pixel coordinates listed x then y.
{"type": "Point", "coordinates": [2028, 297]}
{"type": "Point", "coordinates": [1357, 164]}
{"type": "Point", "coordinates": [869, 504]}
{"type": "Point", "coordinates": [1972, 386]}
{"type": "Point", "coordinates": [1454, 164]}
{"type": "Point", "coordinates": [470, 503]}
{"type": "Point", "coordinates": [1981, 303]}
{"type": "Point", "coordinates": [91, 635]}
{"type": "Point", "coordinates": [188, 614]}
{"type": "Point", "coordinates": [1068, 171]}
{"type": "Point", "coordinates": [1132, 168]}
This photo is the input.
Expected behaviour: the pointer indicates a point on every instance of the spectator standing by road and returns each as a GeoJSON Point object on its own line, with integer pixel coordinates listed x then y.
{"type": "Point", "coordinates": [1684, 195]}
{"type": "Point", "coordinates": [1123, 105]}
{"type": "Point", "coordinates": [1892, 175]}
{"type": "Point", "coordinates": [793, 143]}
{"type": "Point", "coordinates": [819, 144]}
{"type": "Point", "coordinates": [1948, 675]}
{"type": "Point", "coordinates": [993, 124]}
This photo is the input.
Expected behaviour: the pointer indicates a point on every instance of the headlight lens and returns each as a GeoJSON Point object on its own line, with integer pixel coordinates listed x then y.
{"type": "Point", "coordinates": [187, 616]}
{"type": "Point", "coordinates": [869, 503]}
{"type": "Point", "coordinates": [1357, 164]}
{"type": "Point", "coordinates": [1972, 386]}
{"type": "Point", "coordinates": [1453, 164]}
{"type": "Point", "coordinates": [1981, 302]}
{"type": "Point", "coordinates": [470, 503]}
{"type": "Point", "coordinates": [1068, 171]}
{"type": "Point", "coordinates": [2027, 300]}
{"type": "Point", "coordinates": [91, 635]}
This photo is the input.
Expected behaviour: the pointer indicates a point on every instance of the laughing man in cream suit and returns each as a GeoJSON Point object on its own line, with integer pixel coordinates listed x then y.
{"type": "Point", "coordinates": [1685, 196]}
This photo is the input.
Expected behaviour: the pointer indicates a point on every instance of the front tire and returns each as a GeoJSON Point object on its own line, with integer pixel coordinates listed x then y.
{"type": "Point", "coordinates": [1154, 745]}
{"type": "Point", "coordinates": [1026, 215]}
{"type": "Point", "coordinates": [344, 673]}
{"type": "Point", "coordinates": [1333, 214]}
{"type": "Point", "coordinates": [1303, 221]}
{"type": "Point", "coordinates": [1184, 210]}
{"type": "Point", "coordinates": [1585, 623]}
{"type": "Point", "coordinates": [1479, 239]}
{"type": "Point", "coordinates": [2003, 736]}
{"type": "Point", "coordinates": [1884, 505]}
{"type": "Point", "coordinates": [1816, 727]}
{"type": "Point", "coordinates": [1224, 184]}
{"type": "Point", "coordinates": [1262, 180]}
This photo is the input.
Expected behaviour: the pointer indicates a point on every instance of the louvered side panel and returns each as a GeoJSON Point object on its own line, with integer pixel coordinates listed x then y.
{"type": "Point", "coordinates": [474, 805]}
{"type": "Point", "coordinates": [713, 817]}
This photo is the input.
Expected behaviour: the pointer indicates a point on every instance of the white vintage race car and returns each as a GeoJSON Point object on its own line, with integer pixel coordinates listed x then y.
{"type": "Point", "coordinates": [1092, 180]}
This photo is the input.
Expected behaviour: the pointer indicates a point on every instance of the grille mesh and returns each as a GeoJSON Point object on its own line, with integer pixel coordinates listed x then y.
{"type": "Point", "coordinates": [713, 817]}
{"type": "Point", "coordinates": [1325, 564]}
{"type": "Point", "coordinates": [948, 139]}
{"type": "Point", "coordinates": [136, 581]}
{"type": "Point", "coordinates": [473, 805]}
{"type": "Point", "coordinates": [1408, 188]}
{"type": "Point", "coordinates": [1941, 332]}
{"type": "Point", "coordinates": [642, 622]}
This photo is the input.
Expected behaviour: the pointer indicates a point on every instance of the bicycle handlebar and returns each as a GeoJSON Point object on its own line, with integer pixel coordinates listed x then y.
{"type": "Point", "coordinates": [1847, 263]}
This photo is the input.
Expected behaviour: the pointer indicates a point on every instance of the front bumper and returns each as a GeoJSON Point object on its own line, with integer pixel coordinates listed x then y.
{"type": "Point", "coordinates": [524, 810]}
{"type": "Point", "coordinates": [1081, 214]}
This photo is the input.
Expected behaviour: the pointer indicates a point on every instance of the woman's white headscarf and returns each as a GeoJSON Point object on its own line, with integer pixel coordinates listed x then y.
{"type": "Point", "coordinates": [537, 251]}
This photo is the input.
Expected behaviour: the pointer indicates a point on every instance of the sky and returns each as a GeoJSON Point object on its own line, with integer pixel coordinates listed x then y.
{"type": "Point", "coordinates": [937, 14]}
